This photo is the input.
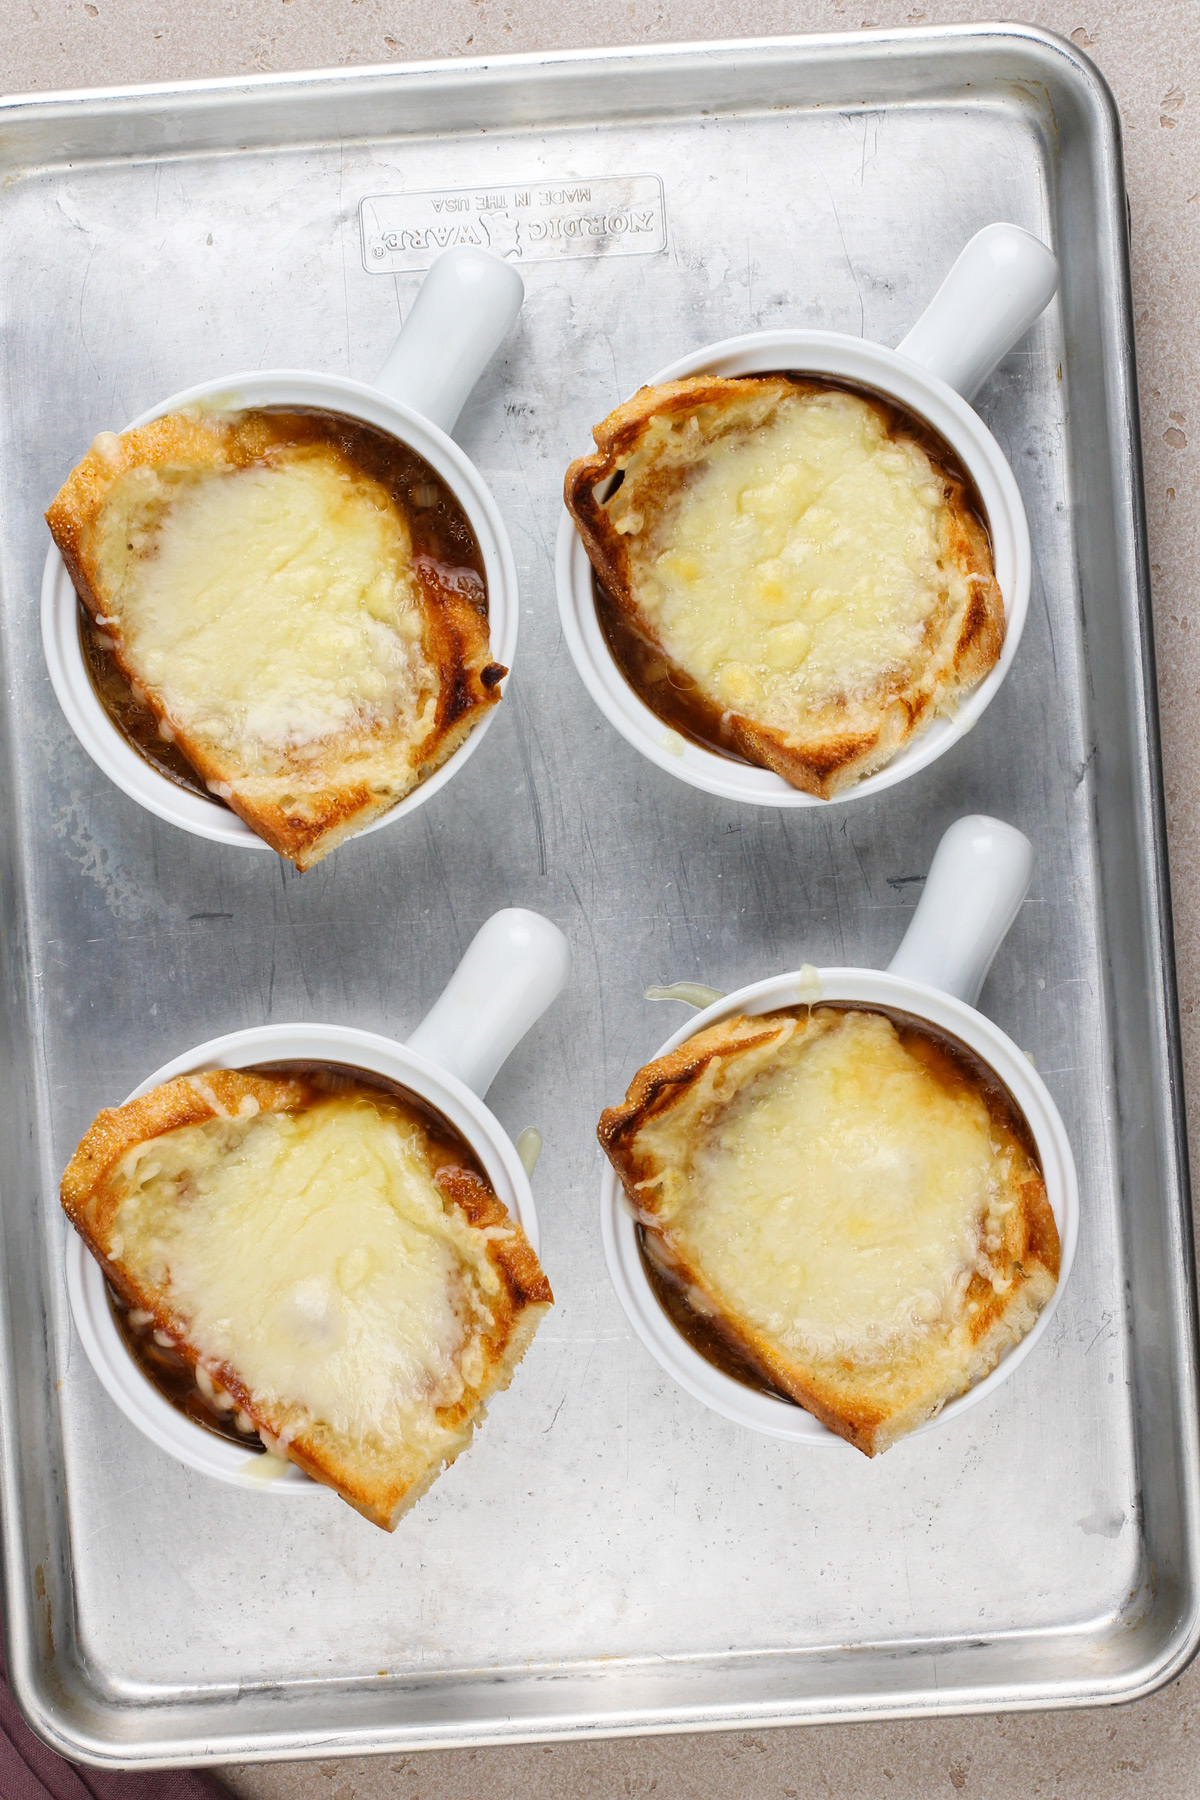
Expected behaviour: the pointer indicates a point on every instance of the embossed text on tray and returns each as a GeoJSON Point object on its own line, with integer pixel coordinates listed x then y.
{"type": "Point", "coordinates": [531, 221]}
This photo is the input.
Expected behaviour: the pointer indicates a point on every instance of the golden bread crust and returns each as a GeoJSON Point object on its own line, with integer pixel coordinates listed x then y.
{"type": "Point", "coordinates": [852, 736]}
{"type": "Point", "coordinates": [871, 1406]}
{"type": "Point", "coordinates": [302, 805]}
{"type": "Point", "coordinates": [380, 1483]}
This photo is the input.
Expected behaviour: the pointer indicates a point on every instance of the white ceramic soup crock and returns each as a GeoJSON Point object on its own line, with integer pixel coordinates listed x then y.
{"type": "Point", "coordinates": [464, 310]}
{"type": "Point", "coordinates": [1001, 282]}
{"type": "Point", "coordinates": [976, 883]}
{"type": "Point", "coordinates": [514, 967]}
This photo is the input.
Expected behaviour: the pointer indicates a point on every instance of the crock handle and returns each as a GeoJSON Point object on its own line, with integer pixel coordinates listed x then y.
{"type": "Point", "coordinates": [515, 965]}
{"type": "Point", "coordinates": [463, 311]}
{"type": "Point", "coordinates": [1002, 281]}
{"type": "Point", "coordinates": [973, 892]}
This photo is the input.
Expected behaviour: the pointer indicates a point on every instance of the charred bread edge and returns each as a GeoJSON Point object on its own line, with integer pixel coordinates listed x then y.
{"type": "Point", "coordinates": [839, 758]}
{"type": "Point", "coordinates": [868, 1428]}
{"type": "Point", "coordinates": [458, 639]}
{"type": "Point", "coordinates": [90, 1206]}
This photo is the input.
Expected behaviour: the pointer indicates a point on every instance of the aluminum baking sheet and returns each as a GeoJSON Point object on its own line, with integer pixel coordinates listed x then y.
{"type": "Point", "coordinates": [609, 1557]}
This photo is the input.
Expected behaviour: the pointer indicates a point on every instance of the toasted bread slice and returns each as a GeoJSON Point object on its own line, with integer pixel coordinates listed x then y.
{"type": "Point", "coordinates": [851, 1202]}
{"type": "Point", "coordinates": [804, 562]}
{"type": "Point", "coordinates": [316, 1257]}
{"type": "Point", "coordinates": [262, 593]}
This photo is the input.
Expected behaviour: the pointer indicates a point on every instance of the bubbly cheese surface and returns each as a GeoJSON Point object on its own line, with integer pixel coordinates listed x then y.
{"type": "Point", "coordinates": [804, 558]}
{"type": "Point", "coordinates": [271, 604]}
{"type": "Point", "coordinates": [843, 1198]}
{"type": "Point", "coordinates": [314, 1254]}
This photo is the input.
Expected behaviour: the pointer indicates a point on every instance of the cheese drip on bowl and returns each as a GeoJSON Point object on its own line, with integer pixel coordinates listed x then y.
{"type": "Point", "coordinates": [314, 1255]}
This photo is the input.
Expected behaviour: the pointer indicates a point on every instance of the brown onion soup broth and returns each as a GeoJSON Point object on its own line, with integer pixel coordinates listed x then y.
{"type": "Point", "coordinates": [445, 550]}
{"type": "Point", "coordinates": [669, 691]}
{"type": "Point", "coordinates": [956, 1068]}
{"type": "Point", "coordinates": [162, 1364]}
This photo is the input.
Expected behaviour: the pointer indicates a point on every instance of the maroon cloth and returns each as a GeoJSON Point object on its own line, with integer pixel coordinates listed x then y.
{"type": "Point", "coordinates": [29, 1771]}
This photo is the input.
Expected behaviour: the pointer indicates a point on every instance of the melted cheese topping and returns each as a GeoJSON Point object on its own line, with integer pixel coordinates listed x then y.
{"type": "Point", "coordinates": [804, 557]}
{"type": "Point", "coordinates": [843, 1197]}
{"type": "Point", "coordinates": [314, 1255]}
{"type": "Point", "coordinates": [271, 605]}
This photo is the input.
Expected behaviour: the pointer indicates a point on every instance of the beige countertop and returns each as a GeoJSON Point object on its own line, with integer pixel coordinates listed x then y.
{"type": "Point", "coordinates": [1150, 52]}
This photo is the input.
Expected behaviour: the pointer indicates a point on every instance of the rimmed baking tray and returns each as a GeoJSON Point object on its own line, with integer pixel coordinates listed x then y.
{"type": "Point", "coordinates": [609, 1557]}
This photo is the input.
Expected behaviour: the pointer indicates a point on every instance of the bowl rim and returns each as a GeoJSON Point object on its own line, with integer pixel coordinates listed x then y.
{"type": "Point", "coordinates": [106, 744]}
{"type": "Point", "coordinates": [913, 388]}
{"type": "Point", "coordinates": [87, 1290]}
{"type": "Point", "coordinates": [780, 1418]}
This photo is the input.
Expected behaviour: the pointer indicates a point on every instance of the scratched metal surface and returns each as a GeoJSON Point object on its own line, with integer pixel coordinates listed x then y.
{"type": "Point", "coordinates": [609, 1555]}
